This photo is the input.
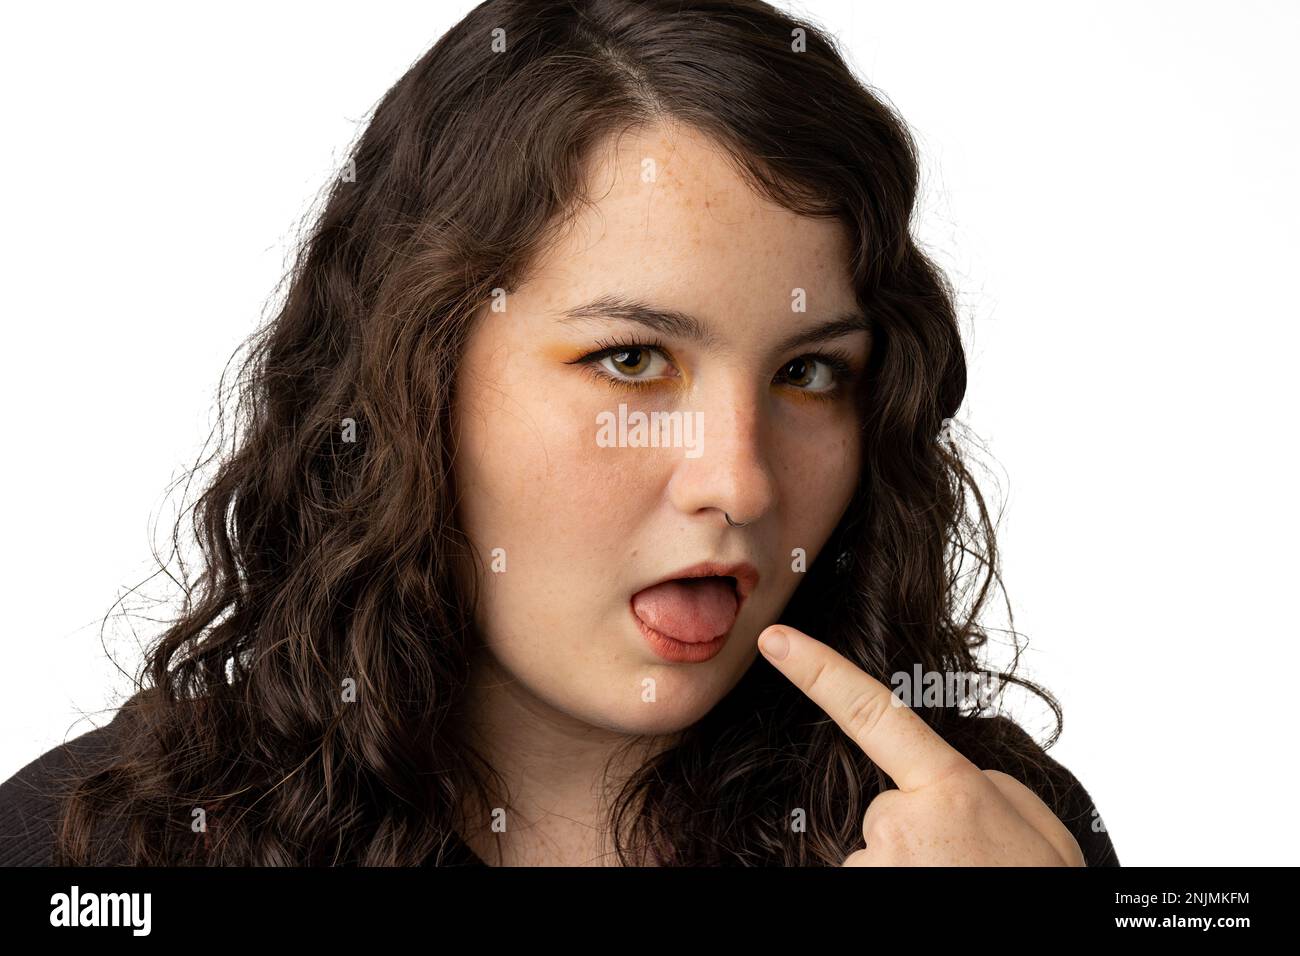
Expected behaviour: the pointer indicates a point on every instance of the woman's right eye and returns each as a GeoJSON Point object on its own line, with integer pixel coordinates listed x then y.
{"type": "Point", "coordinates": [632, 362]}
{"type": "Point", "coordinates": [629, 363]}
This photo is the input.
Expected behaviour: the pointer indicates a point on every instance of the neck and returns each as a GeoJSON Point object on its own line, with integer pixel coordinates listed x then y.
{"type": "Point", "coordinates": [561, 775]}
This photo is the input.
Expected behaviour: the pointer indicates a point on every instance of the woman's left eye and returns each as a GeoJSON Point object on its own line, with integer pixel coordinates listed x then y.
{"type": "Point", "coordinates": [809, 373]}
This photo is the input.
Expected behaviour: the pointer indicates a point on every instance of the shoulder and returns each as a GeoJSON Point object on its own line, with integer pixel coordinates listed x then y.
{"type": "Point", "coordinates": [999, 743]}
{"type": "Point", "coordinates": [31, 799]}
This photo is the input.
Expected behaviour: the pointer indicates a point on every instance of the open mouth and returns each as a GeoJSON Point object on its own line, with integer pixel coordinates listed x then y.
{"type": "Point", "coordinates": [692, 610]}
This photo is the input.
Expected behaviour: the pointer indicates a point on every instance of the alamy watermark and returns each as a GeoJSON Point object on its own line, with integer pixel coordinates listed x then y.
{"type": "Point", "coordinates": [653, 430]}
{"type": "Point", "coordinates": [102, 909]}
{"type": "Point", "coordinates": [942, 688]}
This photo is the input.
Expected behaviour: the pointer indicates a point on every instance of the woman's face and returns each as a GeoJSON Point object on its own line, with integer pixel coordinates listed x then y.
{"type": "Point", "coordinates": [575, 514]}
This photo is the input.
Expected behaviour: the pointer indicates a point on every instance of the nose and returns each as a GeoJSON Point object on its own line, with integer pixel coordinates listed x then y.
{"type": "Point", "coordinates": [732, 475]}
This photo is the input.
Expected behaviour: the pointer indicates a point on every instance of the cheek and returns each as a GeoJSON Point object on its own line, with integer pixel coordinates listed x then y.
{"type": "Point", "coordinates": [584, 500]}
{"type": "Point", "coordinates": [819, 469]}
{"type": "Point", "coordinates": [533, 479]}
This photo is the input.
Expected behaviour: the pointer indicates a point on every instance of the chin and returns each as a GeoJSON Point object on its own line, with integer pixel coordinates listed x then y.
{"type": "Point", "coordinates": [653, 719]}
{"type": "Point", "coordinates": [681, 699]}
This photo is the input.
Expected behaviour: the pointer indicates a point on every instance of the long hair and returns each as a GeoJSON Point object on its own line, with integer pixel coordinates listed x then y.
{"type": "Point", "coordinates": [304, 704]}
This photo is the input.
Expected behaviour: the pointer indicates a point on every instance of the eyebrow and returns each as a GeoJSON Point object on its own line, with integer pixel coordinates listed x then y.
{"type": "Point", "coordinates": [682, 325]}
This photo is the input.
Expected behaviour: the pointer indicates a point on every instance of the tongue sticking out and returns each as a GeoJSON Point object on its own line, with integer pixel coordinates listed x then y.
{"type": "Point", "coordinates": [692, 610]}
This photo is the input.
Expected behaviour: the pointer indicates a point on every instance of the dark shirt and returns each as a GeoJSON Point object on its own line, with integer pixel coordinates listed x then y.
{"type": "Point", "coordinates": [29, 807]}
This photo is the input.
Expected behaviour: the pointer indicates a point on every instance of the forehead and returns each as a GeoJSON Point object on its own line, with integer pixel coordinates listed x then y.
{"type": "Point", "coordinates": [670, 219]}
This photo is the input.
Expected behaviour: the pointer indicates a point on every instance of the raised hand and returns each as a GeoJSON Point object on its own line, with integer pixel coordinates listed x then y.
{"type": "Point", "coordinates": [947, 811]}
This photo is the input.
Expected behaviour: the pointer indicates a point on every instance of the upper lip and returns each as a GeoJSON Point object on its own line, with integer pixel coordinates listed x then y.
{"type": "Point", "coordinates": [745, 575]}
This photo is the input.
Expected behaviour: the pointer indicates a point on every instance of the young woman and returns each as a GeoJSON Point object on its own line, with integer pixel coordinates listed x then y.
{"type": "Point", "coordinates": [610, 353]}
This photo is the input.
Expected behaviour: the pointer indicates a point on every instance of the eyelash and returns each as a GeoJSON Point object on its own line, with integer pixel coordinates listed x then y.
{"type": "Point", "coordinates": [837, 360]}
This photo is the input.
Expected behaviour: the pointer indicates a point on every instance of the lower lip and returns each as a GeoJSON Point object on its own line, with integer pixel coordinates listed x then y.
{"type": "Point", "coordinates": [679, 652]}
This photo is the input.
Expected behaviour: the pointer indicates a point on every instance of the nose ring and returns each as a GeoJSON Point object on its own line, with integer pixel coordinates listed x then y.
{"type": "Point", "coordinates": [734, 524]}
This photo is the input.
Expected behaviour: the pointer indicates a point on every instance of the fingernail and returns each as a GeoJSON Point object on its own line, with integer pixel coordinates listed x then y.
{"type": "Point", "coordinates": [775, 645]}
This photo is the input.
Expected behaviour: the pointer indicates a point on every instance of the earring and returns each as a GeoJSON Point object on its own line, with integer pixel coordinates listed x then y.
{"type": "Point", "coordinates": [843, 561]}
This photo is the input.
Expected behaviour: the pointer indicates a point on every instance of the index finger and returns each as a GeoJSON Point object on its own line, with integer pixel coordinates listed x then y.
{"type": "Point", "coordinates": [889, 732]}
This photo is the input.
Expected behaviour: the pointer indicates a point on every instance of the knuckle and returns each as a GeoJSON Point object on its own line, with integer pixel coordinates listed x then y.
{"type": "Point", "coordinates": [819, 678]}
{"type": "Point", "coordinates": [888, 835]}
{"type": "Point", "coordinates": [960, 797]}
{"type": "Point", "coordinates": [883, 806]}
{"type": "Point", "coordinates": [865, 712]}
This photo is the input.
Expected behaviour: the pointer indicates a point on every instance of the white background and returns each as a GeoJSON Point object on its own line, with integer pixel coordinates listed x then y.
{"type": "Point", "coordinates": [1112, 187]}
